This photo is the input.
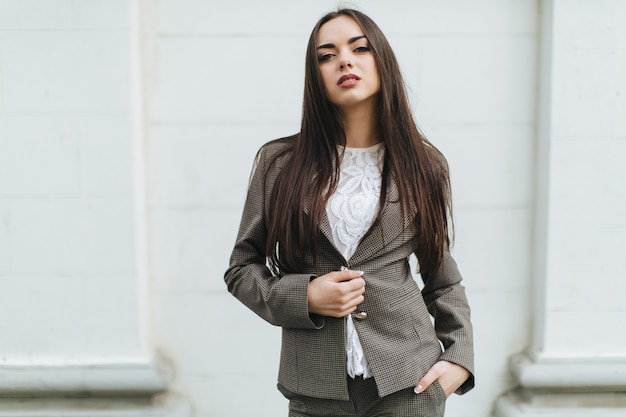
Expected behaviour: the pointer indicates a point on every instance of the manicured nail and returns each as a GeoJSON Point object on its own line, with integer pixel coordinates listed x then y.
{"type": "Point", "coordinates": [359, 273]}
{"type": "Point", "coordinates": [418, 389]}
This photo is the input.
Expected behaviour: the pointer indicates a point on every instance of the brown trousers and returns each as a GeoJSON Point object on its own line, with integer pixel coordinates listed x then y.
{"type": "Point", "coordinates": [365, 402]}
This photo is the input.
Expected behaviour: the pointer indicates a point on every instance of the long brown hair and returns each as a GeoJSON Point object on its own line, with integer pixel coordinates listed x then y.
{"type": "Point", "coordinates": [311, 173]}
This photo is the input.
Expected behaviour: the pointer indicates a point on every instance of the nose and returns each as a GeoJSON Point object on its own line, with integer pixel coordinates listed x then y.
{"type": "Point", "coordinates": [345, 63]}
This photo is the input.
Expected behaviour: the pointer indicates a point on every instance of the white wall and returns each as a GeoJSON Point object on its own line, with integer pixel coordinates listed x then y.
{"type": "Point", "coordinates": [67, 242]}
{"type": "Point", "coordinates": [225, 77]}
{"type": "Point", "coordinates": [220, 79]}
{"type": "Point", "coordinates": [586, 211]}
{"type": "Point", "coordinates": [72, 262]}
{"type": "Point", "coordinates": [575, 363]}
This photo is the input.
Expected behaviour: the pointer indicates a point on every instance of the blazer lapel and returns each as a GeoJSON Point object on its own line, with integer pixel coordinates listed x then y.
{"type": "Point", "coordinates": [324, 226]}
{"type": "Point", "coordinates": [387, 228]}
{"type": "Point", "coordinates": [390, 224]}
{"type": "Point", "coordinates": [328, 232]}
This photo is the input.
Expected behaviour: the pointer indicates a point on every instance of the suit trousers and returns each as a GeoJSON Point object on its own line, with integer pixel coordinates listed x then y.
{"type": "Point", "coordinates": [365, 402]}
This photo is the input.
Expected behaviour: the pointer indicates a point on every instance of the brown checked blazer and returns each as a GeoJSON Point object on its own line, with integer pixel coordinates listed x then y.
{"type": "Point", "coordinates": [398, 337]}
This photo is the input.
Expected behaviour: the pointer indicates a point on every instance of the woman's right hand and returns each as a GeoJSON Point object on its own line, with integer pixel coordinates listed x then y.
{"type": "Point", "coordinates": [336, 294]}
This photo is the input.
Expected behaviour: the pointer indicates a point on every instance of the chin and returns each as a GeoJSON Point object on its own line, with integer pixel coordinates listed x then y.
{"type": "Point", "coordinates": [346, 102]}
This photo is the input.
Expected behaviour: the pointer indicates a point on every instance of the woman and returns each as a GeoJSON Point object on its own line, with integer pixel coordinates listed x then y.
{"type": "Point", "coordinates": [331, 217]}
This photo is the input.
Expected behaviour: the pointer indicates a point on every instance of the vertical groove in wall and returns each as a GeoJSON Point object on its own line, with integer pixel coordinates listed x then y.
{"type": "Point", "coordinates": [139, 177]}
{"type": "Point", "coordinates": [541, 181]}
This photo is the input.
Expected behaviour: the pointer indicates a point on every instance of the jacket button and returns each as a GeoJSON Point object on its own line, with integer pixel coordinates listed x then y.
{"type": "Point", "coordinates": [361, 315]}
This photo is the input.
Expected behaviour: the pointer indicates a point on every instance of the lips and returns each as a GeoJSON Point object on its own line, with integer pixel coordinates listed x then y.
{"type": "Point", "coordinates": [348, 80]}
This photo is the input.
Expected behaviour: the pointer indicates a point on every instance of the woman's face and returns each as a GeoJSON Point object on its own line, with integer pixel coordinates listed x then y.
{"type": "Point", "coordinates": [347, 64]}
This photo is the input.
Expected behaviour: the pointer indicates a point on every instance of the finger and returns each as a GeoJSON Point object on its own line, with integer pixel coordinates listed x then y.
{"type": "Point", "coordinates": [357, 300]}
{"type": "Point", "coordinates": [430, 377]}
{"type": "Point", "coordinates": [350, 300]}
{"type": "Point", "coordinates": [342, 276]}
{"type": "Point", "coordinates": [354, 298]}
{"type": "Point", "coordinates": [346, 311]}
{"type": "Point", "coordinates": [350, 274]}
{"type": "Point", "coordinates": [355, 285]}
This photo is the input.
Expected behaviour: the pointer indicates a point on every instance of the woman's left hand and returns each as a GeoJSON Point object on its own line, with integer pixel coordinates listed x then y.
{"type": "Point", "coordinates": [450, 376]}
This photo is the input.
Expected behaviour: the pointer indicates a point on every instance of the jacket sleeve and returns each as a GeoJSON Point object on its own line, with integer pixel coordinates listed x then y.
{"type": "Point", "coordinates": [447, 303]}
{"type": "Point", "coordinates": [280, 300]}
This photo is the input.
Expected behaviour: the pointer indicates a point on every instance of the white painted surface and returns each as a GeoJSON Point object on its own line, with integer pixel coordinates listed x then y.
{"type": "Point", "coordinates": [69, 285]}
{"type": "Point", "coordinates": [227, 77]}
{"type": "Point", "coordinates": [221, 78]}
{"type": "Point", "coordinates": [576, 361]}
{"type": "Point", "coordinates": [586, 223]}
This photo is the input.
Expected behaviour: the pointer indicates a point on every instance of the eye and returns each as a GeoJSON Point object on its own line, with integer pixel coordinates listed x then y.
{"type": "Point", "coordinates": [362, 49]}
{"type": "Point", "coordinates": [325, 57]}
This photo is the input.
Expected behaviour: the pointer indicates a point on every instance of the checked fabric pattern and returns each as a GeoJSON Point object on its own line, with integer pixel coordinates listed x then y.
{"type": "Point", "coordinates": [398, 337]}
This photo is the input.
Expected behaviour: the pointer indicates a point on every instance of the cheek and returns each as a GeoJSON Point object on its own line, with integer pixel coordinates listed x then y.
{"type": "Point", "coordinates": [326, 76]}
{"type": "Point", "coordinates": [377, 85]}
{"type": "Point", "coordinates": [327, 79]}
{"type": "Point", "coordinates": [376, 73]}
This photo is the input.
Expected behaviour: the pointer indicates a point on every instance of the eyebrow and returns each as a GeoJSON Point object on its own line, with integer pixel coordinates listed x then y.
{"type": "Point", "coordinates": [332, 45]}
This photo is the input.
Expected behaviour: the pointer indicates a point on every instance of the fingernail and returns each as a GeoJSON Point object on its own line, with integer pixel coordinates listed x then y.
{"type": "Point", "coordinates": [360, 272]}
{"type": "Point", "coordinates": [418, 389]}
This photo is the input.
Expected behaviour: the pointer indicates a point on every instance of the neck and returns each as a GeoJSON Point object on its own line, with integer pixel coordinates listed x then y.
{"type": "Point", "coordinates": [360, 127]}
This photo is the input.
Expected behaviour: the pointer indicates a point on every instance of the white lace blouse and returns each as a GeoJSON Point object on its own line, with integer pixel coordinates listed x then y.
{"type": "Point", "coordinates": [351, 211]}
